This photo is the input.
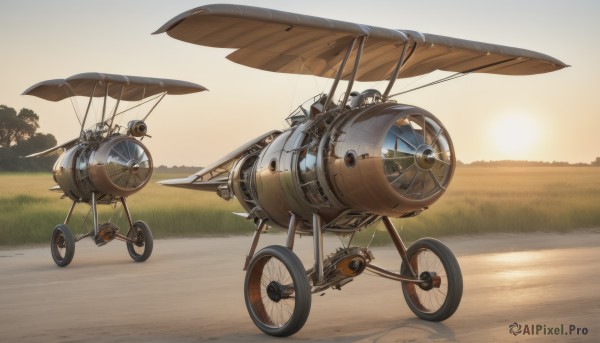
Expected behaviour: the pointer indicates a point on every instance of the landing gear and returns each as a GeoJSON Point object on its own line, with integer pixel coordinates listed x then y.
{"type": "Point", "coordinates": [62, 245]}
{"type": "Point", "coordinates": [138, 239]}
{"type": "Point", "coordinates": [438, 296]}
{"type": "Point", "coordinates": [141, 244]}
{"type": "Point", "coordinates": [277, 291]}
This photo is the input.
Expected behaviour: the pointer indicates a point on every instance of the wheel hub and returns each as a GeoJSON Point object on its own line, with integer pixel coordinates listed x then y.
{"type": "Point", "coordinates": [431, 280]}
{"type": "Point", "coordinates": [106, 233]}
{"type": "Point", "coordinates": [61, 242]}
{"type": "Point", "coordinates": [275, 291]}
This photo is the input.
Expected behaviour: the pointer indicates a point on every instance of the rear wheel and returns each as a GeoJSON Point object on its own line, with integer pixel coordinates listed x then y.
{"type": "Point", "coordinates": [141, 250]}
{"type": "Point", "coordinates": [277, 291]}
{"type": "Point", "coordinates": [62, 245]}
{"type": "Point", "coordinates": [439, 296]}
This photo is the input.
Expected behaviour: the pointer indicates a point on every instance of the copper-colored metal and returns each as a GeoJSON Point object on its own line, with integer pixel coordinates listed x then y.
{"type": "Point", "coordinates": [105, 163]}
{"type": "Point", "coordinates": [341, 166]}
{"type": "Point", "coordinates": [259, 229]}
{"type": "Point", "coordinates": [392, 275]}
{"type": "Point", "coordinates": [291, 235]}
{"type": "Point", "coordinates": [389, 226]}
{"type": "Point", "coordinates": [117, 166]}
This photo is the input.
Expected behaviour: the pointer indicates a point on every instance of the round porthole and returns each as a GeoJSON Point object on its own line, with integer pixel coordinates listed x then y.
{"type": "Point", "coordinates": [273, 165]}
{"type": "Point", "coordinates": [350, 159]}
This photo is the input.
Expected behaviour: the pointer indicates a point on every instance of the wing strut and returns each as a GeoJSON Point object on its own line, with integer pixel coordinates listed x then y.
{"type": "Point", "coordinates": [455, 76]}
{"type": "Point", "coordinates": [112, 118]}
{"type": "Point", "coordinates": [394, 76]}
{"type": "Point", "coordinates": [87, 110]}
{"type": "Point", "coordinates": [104, 104]}
{"type": "Point", "coordinates": [338, 76]}
{"type": "Point", "coordinates": [153, 107]}
{"type": "Point", "coordinates": [359, 52]}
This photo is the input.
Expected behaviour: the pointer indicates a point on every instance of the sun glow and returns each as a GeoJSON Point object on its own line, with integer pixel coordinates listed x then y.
{"type": "Point", "coordinates": [515, 135]}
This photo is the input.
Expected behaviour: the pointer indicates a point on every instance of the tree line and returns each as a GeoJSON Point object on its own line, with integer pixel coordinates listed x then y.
{"type": "Point", "coordinates": [520, 163]}
{"type": "Point", "coordinates": [19, 138]}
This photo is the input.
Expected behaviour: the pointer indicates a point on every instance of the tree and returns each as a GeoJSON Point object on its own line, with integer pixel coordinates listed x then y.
{"type": "Point", "coordinates": [596, 162]}
{"type": "Point", "coordinates": [15, 128]}
{"type": "Point", "coordinates": [18, 138]}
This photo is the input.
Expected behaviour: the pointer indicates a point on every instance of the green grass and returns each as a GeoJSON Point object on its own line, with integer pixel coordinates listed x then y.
{"type": "Point", "coordinates": [479, 200]}
{"type": "Point", "coordinates": [509, 199]}
{"type": "Point", "coordinates": [29, 212]}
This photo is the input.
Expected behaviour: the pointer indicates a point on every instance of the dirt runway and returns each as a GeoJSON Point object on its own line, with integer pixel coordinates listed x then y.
{"type": "Point", "coordinates": [191, 290]}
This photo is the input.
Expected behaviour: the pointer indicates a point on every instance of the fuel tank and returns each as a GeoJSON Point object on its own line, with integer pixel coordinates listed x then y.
{"type": "Point", "coordinates": [115, 167]}
{"type": "Point", "coordinates": [387, 159]}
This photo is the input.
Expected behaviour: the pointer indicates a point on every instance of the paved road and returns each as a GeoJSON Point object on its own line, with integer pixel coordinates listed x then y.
{"type": "Point", "coordinates": [191, 290]}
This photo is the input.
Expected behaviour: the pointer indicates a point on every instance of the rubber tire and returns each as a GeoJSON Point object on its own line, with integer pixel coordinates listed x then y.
{"type": "Point", "coordinates": [62, 229]}
{"type": "Point", "coordinates": [453, 274]}
{"type": "Point", "coordinates": [302, 290]}
{"type": "Point", "coordinates": [148, 242]}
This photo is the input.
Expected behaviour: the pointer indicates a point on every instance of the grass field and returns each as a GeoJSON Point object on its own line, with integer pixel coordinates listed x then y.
{"type": "Point", "coordinates": [479, 200]}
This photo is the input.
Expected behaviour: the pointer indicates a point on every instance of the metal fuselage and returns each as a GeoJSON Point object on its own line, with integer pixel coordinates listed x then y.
{"type": "Point", "coordinates": [350, 167]}
{"type": "Point", "coordinates": [110, 168]}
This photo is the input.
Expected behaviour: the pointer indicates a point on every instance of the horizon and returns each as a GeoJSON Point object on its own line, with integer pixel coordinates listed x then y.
{"type": "Point", "coordinates": [546, 117]}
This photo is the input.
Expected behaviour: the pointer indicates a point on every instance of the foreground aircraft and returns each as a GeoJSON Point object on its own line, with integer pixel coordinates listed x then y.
{"type": "Point", "coordinates": [341, 165]}
{"type": "Point", "coordinates": [107, 162]}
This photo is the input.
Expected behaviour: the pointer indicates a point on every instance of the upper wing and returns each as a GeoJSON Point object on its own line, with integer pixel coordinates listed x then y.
{"type": "Point", "coordinates": [293, 43]}
{"type": "Point", "coordinates": [133, 88]}
{"type": "Point", "coordinates": [217, 173]}
{"type": "Point", "coordinates": [284, 42]}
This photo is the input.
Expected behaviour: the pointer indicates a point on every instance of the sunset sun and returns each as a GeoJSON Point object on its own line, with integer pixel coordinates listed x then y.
{"type": "Point", "coordinates": [514, 135]}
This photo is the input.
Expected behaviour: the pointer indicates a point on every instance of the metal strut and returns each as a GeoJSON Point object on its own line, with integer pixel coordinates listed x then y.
{"type": "Point", "coordinates": [126, 210]}
{"type": "Point", "coordinates": [318, 246]}
{"type": "Point", "coordinates": [70, 212]}
{"type": "Point", "coordinates": [361, 45]}
{"type": "Point", "coordinates": [292, 231]}
{"type": "Point", "coordinates": [259, 228]}
{"type": "Point", "coordinates": [104, 103]}
{"type": "Point", "coordinates": [153, 107]}
{"type": "Point", "coordinates": [398, 243]}
{"type": "Point", "coordinates": [455, 76]}
{"type": "Point", "coordinates": [87, 110]}
{"type": "Point", "coordinates": [95, 214]}
{"type": "Point", "coordinates": [338, 76]}
{"type": "Point", "coordinates": [112, 118]}
{"type": "Point", "coordinates": [395, 74]}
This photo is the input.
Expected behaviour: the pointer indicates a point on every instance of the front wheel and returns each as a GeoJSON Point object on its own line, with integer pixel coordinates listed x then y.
{"type": "Point", "coordinates": [142, 248]}
{"type": "Point", "coordinates": [438, 297]}
{"type": "Point", "coordinates": [62, 245]}
{"type": "Point", "coordinates": [277, 291]}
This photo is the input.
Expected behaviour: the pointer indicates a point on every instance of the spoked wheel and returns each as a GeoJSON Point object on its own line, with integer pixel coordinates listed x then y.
{"type": "Point", "coordinates": [438, 298]}
{"type": "Point", "coordinates": [142, 248]}
{"type": "Point", "coordinates": [277, 291]}
{"type": "Point", "coordinates": [62, 245]}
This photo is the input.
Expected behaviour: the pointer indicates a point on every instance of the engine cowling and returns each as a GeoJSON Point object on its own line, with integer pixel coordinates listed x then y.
{"type": "Point", "coordinates": [390, 160]}
{"type": "Point", "coordinates": [386, 159]}
{"type": "Point", "coordinates": [117, 166]}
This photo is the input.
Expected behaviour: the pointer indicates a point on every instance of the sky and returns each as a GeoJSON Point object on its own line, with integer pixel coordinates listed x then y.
{"type": "Point", "coordinates": [546, 117]}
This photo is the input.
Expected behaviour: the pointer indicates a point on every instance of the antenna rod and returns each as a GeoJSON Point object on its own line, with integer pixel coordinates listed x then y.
{"type": "Point", "coordinates": [339, 74]}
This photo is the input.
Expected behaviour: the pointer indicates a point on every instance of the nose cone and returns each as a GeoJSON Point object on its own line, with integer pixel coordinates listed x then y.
{"type": "Point", "coordinates": [417, 157]}
{"type": "Point", "coordinates": [391, 160]}
{"type": "Point", "coordinates": [121, 166]}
